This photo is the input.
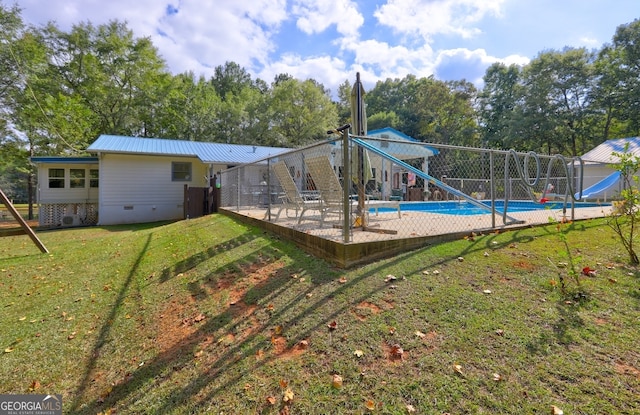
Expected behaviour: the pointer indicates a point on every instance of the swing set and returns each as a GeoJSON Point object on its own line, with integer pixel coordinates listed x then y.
{"type": "Point", "coordinates": [23, 224]}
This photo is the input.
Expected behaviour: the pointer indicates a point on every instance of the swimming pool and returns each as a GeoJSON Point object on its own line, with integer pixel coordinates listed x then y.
{"type": "Point", "coordinates": [465, 208]}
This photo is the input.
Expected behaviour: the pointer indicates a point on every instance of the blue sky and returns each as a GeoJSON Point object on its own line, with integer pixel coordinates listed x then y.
{"type": "Point", "coordinates": [331, 40]}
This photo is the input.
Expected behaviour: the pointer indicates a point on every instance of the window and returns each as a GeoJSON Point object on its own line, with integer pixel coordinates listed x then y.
{"type": "Point", "coordinates": [94, 175]}
{"type": "Point", "coordinates": [180, 172]}
{"type": "Point", "coordinates": [56, 178]}
{"type": "Point", "coordinates": [76, 178]}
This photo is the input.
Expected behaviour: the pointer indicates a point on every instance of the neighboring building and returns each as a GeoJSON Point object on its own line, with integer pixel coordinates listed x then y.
{"type": "Point", "coordinates": [601, 180]}
{"type": "Point", "coordinates": [391, 178]}
{"type": "Point", "coordinates": [135, 180]}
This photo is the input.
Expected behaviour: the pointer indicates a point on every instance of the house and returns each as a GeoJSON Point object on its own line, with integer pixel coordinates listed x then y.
{"type": "Point", "coordinates": [601, 179]}
{"type": "Point", "coordinates": [135, 180]}
{"type": "Point", "coordinates": [389, 179]}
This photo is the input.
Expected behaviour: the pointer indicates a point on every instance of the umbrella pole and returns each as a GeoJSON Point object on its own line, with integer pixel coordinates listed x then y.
{"type": "Point", "coordinates": [360, 132]}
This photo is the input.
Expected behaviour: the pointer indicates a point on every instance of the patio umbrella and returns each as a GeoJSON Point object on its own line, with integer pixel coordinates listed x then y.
{"type": "Point", "coordinates": [359, 125]}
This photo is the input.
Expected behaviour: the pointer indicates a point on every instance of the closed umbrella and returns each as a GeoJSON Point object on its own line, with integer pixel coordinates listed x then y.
{"type": "Point", "coordinates": [362, 170]}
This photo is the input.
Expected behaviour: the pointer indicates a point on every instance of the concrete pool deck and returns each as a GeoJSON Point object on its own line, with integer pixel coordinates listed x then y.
{"type": "Point", "coordinates": [387, 233]}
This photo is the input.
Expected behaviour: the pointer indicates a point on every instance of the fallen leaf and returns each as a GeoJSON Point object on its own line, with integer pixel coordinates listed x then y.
{"type": "Point", "coordinates": [500, 332]}
{"type": "Point", "coordinates": [35, 385]}
{"type": "Point", "coordinates": [278, 330]}
{"type": "Point", "coordinates": [8, 350]}
{"type": "Point", "coordinates": [460, 259]}
{"type": "Point", "coordinates": [556, 411]}
{"type": "Point", "coordinates": [336, 382]}
{"type": "Point", "coordinates": [390, 278]}
{"type": "Point", "coordinates": [486, 253]}
{"type": "Point", "coordinates": [71, 336]}
{"type": "Point", "coordinates": [270, 308]}
{"type": "Point", "coordinates": [486, 291]}
{"type": "Point", "coordinates": [425, 272]}
{"type": "Point", "coordinates": [288, 396]}
{"type": "Point", "coordinates": [358, 353]}
{"type": "Point", "coordinates": [342, 280]}
{"type": "Point", "coordinates": [392, 330]}
{"type": "Point", "coordinates": [259, 354]}
{"type": "Point", "coordinates": [458, 369]}
{"type": "Point", "coordinates": [613, 280]}
{"type": "Point", "coordinates": [396, 351]}
{"type": "Point", "coordinates": [420, 334]}
{"type": "Point", "coordinates": [283, 383]}
{"type": "Point", "coordinates": [411, 409]}
{"type": "Point", "coordinates": [22, 319]}
{"type": "Point", "coordinates": [271, 400]}
{"type": "Point", "coordinates": [199, 318]}
{"type": "Point", "coordinates": [333, 325]}
{"type": "Point", "coordinates": [370, 405]}
{"type": "Point", "coordinates": [436, 272]}
{"type": "Point", "coordinates": [303, 344]}
{"type": "Point", "coordinates": [497, 377]}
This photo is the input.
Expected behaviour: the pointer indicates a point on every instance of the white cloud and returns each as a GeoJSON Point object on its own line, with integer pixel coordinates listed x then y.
{"type": "Point", "coordinates": [461, 63]}
{"type": "Point", "coordinates": [327, 70]}
{"type": "Point", "coordinates": [208, 34]}
{"type": "Point", "coordinates": [391, 61]}
{"type": "Point", "coordinates": [315, 16]}
{"type": "Point", "coordinates": [427, 18]}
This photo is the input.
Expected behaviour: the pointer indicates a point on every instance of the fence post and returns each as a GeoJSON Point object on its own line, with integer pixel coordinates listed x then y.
{"type": "Point", "coordinates": [185, 203]}
{"type": "Point", "coordinates": [215, 185]}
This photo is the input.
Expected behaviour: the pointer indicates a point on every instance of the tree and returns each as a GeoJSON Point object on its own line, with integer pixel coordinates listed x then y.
{"type": "Point", "coordinates": [497, 103]}
{"type": "Point", "coordinates": [618, 91]}
{"type": "Point", "coordinates": [112, 74]}
{"type": "Point", "coordinates": [301, 112]}
{"type": "Point", "coordinates": [230, 79]}
{"type": "Point", "coordinates": [11, 27]}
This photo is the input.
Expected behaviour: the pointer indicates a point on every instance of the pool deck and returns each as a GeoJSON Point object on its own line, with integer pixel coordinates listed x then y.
{"type": "Point", "coordinates": [412, 224]}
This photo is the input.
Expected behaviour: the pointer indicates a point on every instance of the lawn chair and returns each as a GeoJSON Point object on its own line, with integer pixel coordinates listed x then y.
{"type": "Point", "coordinates": [331, 190]}
{"type": "Point", "coordinates": [292, 198]}
{"type": "Point", "coordinates": [327, 183]}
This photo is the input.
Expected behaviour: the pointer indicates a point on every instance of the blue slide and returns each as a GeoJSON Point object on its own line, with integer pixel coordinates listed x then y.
{"type": "Point", "coordinates": [602, 188]}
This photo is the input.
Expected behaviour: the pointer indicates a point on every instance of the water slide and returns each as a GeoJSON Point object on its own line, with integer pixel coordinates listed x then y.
{"type": "Point", "coordinates": [601, 189]}
{"type": "Point", "coordinates": [427, 177]}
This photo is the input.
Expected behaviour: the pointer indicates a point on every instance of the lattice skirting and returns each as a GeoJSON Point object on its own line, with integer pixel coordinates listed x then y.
{"type": "Point", "coordinates": [68, 214]}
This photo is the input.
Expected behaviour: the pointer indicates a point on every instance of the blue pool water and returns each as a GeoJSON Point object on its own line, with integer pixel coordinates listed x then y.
{"type": "Point", "coordinates": [465, 208]}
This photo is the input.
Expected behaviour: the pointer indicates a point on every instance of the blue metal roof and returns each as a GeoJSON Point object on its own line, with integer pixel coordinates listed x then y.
{"type": "Point", "coordinates": [206, 152]}
{"type": "Point", "coordinates": [64, 160]}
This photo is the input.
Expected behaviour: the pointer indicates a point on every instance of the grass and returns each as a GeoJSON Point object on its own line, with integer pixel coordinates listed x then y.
{"type": "Point", "coordinates": [212, 316]}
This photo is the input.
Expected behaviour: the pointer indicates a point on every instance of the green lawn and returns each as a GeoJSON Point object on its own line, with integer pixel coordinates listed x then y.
{"type": "Point", "coordinates": [213, 316]}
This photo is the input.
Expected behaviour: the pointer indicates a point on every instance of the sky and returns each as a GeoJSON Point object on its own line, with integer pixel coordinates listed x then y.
{"type": "Point", "coordinates": [331, 40]}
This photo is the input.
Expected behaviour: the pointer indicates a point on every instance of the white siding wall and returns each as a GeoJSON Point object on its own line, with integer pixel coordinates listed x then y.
{"type": "Point", "coordinates": [66, 194]}
{"type": "Point", "coordinates": [137, 189]}
{"type": "Point", "coordinates": [593, 173]}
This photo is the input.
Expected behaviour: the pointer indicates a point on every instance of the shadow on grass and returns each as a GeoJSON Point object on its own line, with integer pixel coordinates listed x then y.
{"type": "Point", "coordinates": [226, 367]}
{"type": "Point", "coordinates": [106, 328]}
{"type": "Point", "coordinates": [181, 354]}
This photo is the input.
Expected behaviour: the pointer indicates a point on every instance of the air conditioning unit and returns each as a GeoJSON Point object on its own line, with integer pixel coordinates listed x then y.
{"type": "Point", "coordinates": [71, 220]}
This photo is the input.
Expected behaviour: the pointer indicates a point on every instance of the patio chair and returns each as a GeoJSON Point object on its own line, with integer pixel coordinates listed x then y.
{"type": "Point", "coordinates": [292, 199]}
{"type": "Point", "coordinates": [330, 188]}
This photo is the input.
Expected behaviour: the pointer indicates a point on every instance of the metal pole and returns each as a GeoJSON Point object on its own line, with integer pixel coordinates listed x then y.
{"type": "Point", "coordinates": [492, 190]}
{"type": "Point", "coordinates": [346, 178]}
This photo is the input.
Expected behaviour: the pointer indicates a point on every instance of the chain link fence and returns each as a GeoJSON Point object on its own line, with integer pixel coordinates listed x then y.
{"type": "Point", "coordinates": [355, 189]}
